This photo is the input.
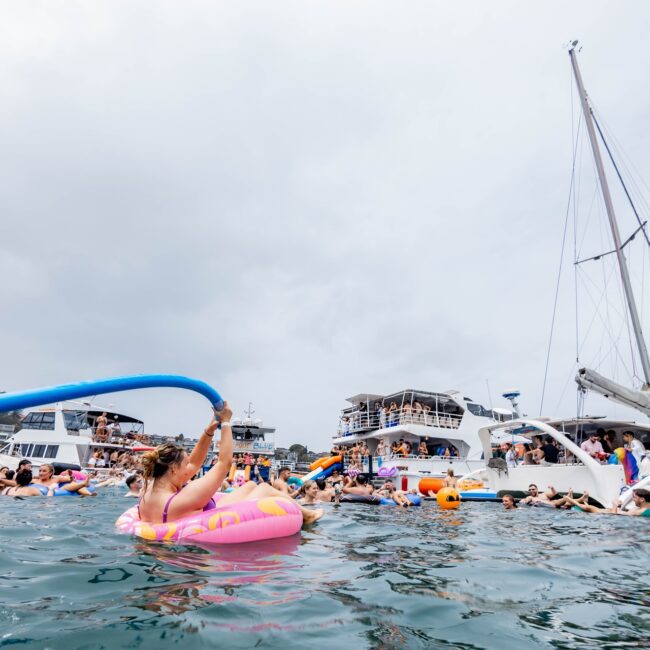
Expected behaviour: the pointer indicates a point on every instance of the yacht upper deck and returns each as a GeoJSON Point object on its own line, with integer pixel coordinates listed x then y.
{"type": "Point", "coordinates": [371, 412]}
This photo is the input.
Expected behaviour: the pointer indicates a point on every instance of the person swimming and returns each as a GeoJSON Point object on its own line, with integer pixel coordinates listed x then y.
{"type": "Point", "coordinates": [167, 495]}
{"type": "Point", "coordinates": [23, 487]}
{"type": "Point", "coordinates": [640, 496]}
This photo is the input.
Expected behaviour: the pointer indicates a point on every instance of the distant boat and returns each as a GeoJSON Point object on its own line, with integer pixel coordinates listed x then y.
{"type": "Point", "coordinates": [65, 434]}
{"type": "Point", "coordinates": [447, 423]}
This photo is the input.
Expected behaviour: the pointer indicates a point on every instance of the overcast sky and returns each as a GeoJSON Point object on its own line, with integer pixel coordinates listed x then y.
{"type": "Point", "coordinates": [300, 201]}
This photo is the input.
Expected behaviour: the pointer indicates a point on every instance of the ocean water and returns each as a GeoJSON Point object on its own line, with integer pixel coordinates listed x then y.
{"type": "Point", "coordinates": [363, 577]}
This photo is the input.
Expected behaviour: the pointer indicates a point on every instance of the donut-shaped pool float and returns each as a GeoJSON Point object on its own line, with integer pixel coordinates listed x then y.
{"type": "Point", "coordinates": [244, 521]}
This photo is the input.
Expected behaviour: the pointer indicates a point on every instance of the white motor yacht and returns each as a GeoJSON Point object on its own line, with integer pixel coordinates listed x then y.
{"type": "Point", "coordinates": [447, 423]}
{"type": "Point", "coordinates": [65, 434]}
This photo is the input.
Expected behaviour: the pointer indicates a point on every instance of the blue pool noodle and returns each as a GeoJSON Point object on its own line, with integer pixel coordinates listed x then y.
{"type": "Point", "coordinates": [49, 395]}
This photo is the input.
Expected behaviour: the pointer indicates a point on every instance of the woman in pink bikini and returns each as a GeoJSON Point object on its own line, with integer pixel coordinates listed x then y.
{"type": "Point", "coordinates": [167, 495]}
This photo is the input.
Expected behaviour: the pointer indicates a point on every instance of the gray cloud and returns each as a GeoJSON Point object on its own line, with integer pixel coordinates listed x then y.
{"type": "Point", "coordinates": [298, 202]}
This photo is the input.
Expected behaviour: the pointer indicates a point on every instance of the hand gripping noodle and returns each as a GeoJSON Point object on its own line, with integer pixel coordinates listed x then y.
{"type": "Point", "coordinates": [243, 521]}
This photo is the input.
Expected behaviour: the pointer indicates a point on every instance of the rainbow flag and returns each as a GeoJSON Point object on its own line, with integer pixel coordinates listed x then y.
{"type": "Point", "coordinates": [630, 467]}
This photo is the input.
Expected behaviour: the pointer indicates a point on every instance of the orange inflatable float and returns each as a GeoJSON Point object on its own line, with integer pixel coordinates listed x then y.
{"type": "Point", "coordinates": [427, 485]}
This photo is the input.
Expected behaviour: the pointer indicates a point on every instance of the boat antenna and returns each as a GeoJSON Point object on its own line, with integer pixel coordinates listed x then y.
{"type": "Point", "coordinates": [609, 206]}
{"type": "Point", "coordinates": [511, 396]}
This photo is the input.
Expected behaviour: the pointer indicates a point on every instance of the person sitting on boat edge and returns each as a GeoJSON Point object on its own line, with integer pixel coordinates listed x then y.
{"type": "Point", "coordinates": [167, 495]}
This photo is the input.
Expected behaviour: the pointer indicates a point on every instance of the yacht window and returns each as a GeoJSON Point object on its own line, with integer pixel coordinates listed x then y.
{"type": "Point", "coordinates": [39, 421]}
{"type": "Point", "coordinates": [477, 409]}
{"type": "Point", "coordinates": [25, 449]}
{"type": "Point", "coordinates": [51, 451]}
{"type": "Point", "coordinates": [39, 451]}
{"type": "Point", "coordinates": [75, 420]}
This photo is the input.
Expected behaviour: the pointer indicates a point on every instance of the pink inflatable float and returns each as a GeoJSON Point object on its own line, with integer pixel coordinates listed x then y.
{"type": "Point", "coordinates": [244, 521]}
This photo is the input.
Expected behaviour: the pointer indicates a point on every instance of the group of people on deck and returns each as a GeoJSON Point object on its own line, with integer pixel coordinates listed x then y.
{"type": "Point", "coordinates": [600, 445]}
{"type": "Point", "coordinates": [401, 448]}
{"type": "Point", "coordinates": [382, 416]}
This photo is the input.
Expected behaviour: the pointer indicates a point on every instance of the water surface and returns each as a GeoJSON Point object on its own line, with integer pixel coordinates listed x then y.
{"type": "Point", "coordinates": [363, 577]}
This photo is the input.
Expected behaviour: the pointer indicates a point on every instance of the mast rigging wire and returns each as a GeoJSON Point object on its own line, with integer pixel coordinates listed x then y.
{"type": "Point", "coordinates": [559, 273]}
{"type": "Point", "coordinates": [620, 178]}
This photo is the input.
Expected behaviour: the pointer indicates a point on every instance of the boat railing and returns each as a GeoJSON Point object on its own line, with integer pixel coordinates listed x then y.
{"type": "Point", "coordinates": [353, 423]}
{"type": "Point", "coordinates": [414, 456]}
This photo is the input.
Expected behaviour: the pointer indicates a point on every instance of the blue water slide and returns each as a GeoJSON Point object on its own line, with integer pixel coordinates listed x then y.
{"type": "Point", "coordinates": [39, 396]}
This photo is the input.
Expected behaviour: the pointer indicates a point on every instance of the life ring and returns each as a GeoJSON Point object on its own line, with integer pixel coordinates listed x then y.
{"type": "Point", "coordinates": [244, 521]}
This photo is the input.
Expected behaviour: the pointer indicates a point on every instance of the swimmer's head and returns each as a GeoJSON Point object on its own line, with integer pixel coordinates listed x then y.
{"type": "Point", "coordinates": [532, 489]}
{"type": "Point", "coordinates": [310, 488]}
{"type": "Point", "coordinates": [362, 479]}
{"type": "Point", "coordinates": [508, 501]}
{"type": "Point", "coordinates": [23, 477]}
{"type": "Point", "coordinates": [450, 472]}
{"type": "Point", "coordinates": [45, 472]}
{"type": "Point", "coordinates": [284, 473]}
{"type": "Point", "coordinates": [166, 460]}
{"type": "Point", "coordinates": [133, 481]}
{"type": "Point", "coordinates": [25, 464]}
{"type": "Point", "coordinates": [641, 496]}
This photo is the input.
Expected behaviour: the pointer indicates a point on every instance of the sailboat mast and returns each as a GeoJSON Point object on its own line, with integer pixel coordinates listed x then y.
{"type": "Point", "coordinates": [622, 264]}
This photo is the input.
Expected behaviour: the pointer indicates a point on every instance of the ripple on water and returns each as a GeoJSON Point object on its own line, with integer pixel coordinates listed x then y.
{"type": "Point", "coordinates": [368, 576]}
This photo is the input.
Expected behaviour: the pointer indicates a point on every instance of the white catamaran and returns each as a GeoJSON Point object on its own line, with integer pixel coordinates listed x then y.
{"type": "Point", "coordinates": [578, 469]}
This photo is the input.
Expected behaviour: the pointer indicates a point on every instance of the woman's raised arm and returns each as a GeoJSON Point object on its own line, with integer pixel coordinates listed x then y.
{"type": "Point", "coordinates": [201, 449]}
{"type": "Point", "coordinates": [196, 494]}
